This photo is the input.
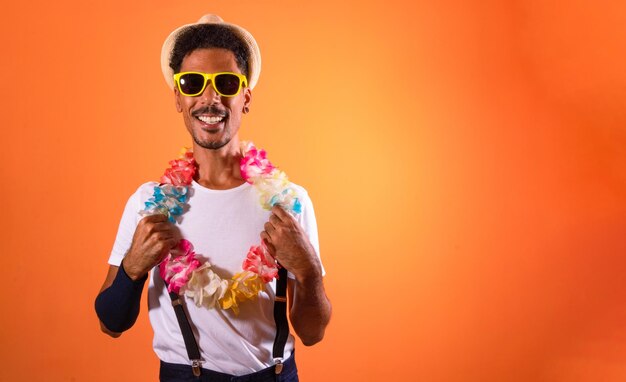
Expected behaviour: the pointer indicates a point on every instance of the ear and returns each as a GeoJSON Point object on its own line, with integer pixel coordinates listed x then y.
{"type": "Point", "coordinates": [247, 98]}
{"type": "Point", "coordinates": [177, 95]}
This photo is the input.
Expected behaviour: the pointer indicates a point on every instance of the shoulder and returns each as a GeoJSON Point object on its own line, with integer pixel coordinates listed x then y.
{"type": "Point", "coordinates": [303, 196]}
{"type": "Point", "coordinates": [145, 191]}
{"type": "Point", "coordinates": [141, 195]}
{"type": "Point", "coordinates": [307, 216]}
{"type": "Point", "coordinates": [300, 191]}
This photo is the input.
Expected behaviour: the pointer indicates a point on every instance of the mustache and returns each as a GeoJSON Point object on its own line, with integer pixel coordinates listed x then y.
{"type": "Point", "coordinates": [211, 109]}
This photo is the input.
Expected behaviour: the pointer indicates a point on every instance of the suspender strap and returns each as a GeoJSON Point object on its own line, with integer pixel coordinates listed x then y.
{"type": "Point", "coordinates": [280, 317]}
{"type": "Point", "coordinates": [185, 328]}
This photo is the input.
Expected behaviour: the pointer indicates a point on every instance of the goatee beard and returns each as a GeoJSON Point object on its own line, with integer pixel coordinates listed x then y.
{"type": "Point", "coordinates": [211, 145]}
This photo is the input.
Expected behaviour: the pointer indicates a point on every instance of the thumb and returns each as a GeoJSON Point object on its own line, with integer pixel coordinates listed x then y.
{"type": "Point", "coordinates": [269, 247]}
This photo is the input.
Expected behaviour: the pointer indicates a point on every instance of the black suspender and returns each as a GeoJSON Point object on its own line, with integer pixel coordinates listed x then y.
{"type": "Point", "coordinates": [185, 328]}
{"type": "Point", "coordinates": [280, 317]}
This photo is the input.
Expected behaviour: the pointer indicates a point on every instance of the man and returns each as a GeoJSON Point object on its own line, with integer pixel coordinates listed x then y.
{"type": "Point", "coordinates": [222, 218]}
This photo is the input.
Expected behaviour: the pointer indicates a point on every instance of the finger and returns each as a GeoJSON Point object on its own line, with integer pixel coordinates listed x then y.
{"type": "Point", "coordinates": [161, 227]}
{"type": "Point", "coordinates": [281, 214]}
{"type": "Point", "coordinates": [271, 250]}
{"type": "Point", "coordinates": [156, 218]}
{"type": "Point", "coordinates": [173, 242]}
{"type": "Point", "coordinates": [269, 228]}
{"type": "Point", "coordinates": [150, 226]}
{"type": "Point", "coordinates": [166, 249]}
{"type": "Point", "coordinates": [270, 247]}
{"type": "Point", "coordinates": [170, 246]}
{"type": "Point", "coordinates": [264, 236]}
{"type": "Point", "coordinates": [275, 220]}
{"type": "Point", "coordinates": [157, 242]}
{"type": "Point", "coordinates": [161, 257]}
{"type": "Point", "coordinates": [164, 236]}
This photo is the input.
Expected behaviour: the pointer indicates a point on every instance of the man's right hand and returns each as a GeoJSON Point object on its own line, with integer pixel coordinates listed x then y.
{"type": "Point", "coordinates": [154, 237]}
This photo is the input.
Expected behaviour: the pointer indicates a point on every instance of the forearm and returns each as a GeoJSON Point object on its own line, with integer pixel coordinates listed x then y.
{"type": "Point", "coordinates": [118, 305]}
{"type": "Point", "coordinates": [310, 309]}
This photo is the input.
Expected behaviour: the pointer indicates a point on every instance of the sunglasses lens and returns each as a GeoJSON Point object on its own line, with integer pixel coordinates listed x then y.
{"type": "Point", "coordinates": [191, 83]}
{"type": "Point", "coordinates": [227, 84]}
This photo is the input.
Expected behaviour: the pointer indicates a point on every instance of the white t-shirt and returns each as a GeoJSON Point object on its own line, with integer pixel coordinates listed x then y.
{"type": "Point", "coordinates": [221, 225]}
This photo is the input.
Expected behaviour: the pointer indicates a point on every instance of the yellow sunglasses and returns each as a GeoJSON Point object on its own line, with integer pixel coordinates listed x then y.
{"type": "Point", "coordinates": [227, 84]}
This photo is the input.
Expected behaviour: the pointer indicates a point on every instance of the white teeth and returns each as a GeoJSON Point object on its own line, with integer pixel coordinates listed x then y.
{"type": "Point", "coordinates": [210, 120]}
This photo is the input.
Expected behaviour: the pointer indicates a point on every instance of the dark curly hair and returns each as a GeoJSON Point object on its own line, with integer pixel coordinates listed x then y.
{"type": "Point", "coordinates": [205, 36]}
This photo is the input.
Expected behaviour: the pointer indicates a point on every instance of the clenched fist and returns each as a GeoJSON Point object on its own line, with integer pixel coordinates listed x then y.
{"type": "Point", "coordinates": [287, 242]}
{"type": "Point", "coordinates": [154, 237]}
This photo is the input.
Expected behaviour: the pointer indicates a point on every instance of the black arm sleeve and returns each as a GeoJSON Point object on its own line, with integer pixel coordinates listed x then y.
{"type": "Point", "coordinates": [118, 305]}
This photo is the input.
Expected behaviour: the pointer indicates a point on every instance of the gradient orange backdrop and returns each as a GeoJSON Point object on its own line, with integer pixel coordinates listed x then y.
{"type": "Point", "coordinates": [465, 158]}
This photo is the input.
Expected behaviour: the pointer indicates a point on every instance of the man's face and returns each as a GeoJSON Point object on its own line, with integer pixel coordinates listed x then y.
{"type": "Point", "coordinates": [211, 119]}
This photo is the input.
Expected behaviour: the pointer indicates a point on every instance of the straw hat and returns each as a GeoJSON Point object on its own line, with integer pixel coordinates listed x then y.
{"type": "Point", "coordinates": [254, 59]}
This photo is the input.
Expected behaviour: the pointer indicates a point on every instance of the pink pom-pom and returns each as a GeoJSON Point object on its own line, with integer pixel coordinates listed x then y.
{"type": "Point", "coordinates": [181, 171]}
{"type": "Point", "coordinates": [254, 163]}
{"type": "Point", "coordinates": [176, 270]}
{"type": "Point", "coordinates": [259, 261]}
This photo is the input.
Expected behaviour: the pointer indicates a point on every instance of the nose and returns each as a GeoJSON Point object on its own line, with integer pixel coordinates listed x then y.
{"type": "Point", "coordinates": [209, 94]}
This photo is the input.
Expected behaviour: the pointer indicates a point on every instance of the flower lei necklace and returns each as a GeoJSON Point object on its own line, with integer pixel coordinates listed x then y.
{"type": "Point", "coordinates": [182, 269]}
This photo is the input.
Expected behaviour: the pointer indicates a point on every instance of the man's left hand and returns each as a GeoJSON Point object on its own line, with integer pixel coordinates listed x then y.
{"type": "Point", "coordinates": [287, 242]}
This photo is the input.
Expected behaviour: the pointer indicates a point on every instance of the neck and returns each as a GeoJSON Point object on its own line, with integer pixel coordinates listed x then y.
{"type": "Point", "coordinates": [218, 169]}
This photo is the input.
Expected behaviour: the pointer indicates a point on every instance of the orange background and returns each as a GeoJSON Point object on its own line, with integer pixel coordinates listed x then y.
{"type": "Point", "coordinates": [465, 158]}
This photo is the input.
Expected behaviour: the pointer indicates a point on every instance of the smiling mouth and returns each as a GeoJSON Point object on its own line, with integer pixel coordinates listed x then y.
{"type": "Point", "coordinates": [211, 120]}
